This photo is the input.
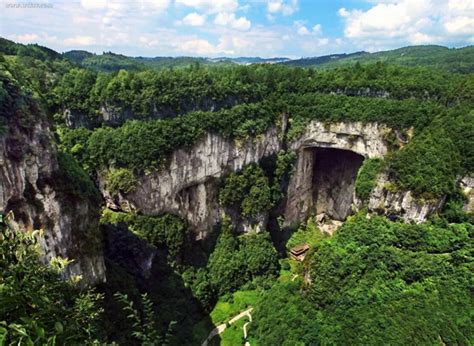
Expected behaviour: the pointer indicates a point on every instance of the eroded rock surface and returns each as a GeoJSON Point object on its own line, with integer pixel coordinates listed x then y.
{"type": "Point", "coordinates": [400, 203]}
{"type": "Point", "coordinates": [327, 185]}
{"type": "Point", "coordinates": [189, 185]}
{"type": "Point", "coordinates": [31, 195]}
{"type": "Point", "coordinates": [467, 186]}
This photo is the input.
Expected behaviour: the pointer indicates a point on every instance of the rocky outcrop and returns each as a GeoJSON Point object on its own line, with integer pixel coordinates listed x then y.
{"type": "Point", "coordinates": [467, 186]}
{"type": "Point", "coordinates": [115, 114]}
{"type": "Point", "coordinates": [189, 185]}
{"type": "Point", "coordinates": [29, 192]}
{"type": "Point", "coordinates": [328, 159]}
{"type": "Point", "coordinates": [400, 203]}
{"type": "Point", "coordinates": [323, 181]}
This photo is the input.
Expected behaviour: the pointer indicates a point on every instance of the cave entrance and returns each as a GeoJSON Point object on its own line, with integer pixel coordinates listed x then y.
{"type": "Point", "coordinates": [334, 175]}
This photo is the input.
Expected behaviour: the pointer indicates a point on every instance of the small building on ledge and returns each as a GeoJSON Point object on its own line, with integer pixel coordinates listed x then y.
{"type": "Point", "coordinates": [298, 252]}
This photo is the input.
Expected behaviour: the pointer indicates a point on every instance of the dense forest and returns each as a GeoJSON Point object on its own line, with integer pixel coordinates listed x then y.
{"type": "Point", "coordinates": [376, 280]}
{"type": "Point", "coordinates": [454, 59]}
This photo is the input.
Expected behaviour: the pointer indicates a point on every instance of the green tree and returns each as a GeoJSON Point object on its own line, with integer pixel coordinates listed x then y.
{"type": "Point", "coordinates": [36, 306]}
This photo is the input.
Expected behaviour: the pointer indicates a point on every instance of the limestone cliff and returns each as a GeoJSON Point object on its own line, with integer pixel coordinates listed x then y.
{"type": "Point", "coordinates": [323, 181]}
{"type": "Point", "coordinates": [467, 186]}
{"type": "Point", "coordinates": [400, 203]}
{"type": "Point", "coordinates": [115, 114]}
{"type": "Point", "coordinates": [189, 185]}
{"type": "Point", "coordinates": [31, 190]}
{"type": "Point", "coordinates": [328, 159]}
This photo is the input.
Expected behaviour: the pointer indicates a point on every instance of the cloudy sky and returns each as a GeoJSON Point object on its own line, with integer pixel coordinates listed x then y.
{"type": "Point", "coordinates": [264, 28]}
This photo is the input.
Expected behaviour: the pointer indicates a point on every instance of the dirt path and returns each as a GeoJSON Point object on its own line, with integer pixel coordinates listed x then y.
{"type": "Point", "coordinates": [220, 328]}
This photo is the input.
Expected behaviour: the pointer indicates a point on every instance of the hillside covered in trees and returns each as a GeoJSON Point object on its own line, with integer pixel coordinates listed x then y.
{"type": "Point", "coordinates": [117, 124]}
{"type": "Point", "coordinates": [451, 59]}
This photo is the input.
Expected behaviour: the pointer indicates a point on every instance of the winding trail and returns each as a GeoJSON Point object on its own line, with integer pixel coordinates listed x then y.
{"type": "Point", "coordinates": [220, 328]}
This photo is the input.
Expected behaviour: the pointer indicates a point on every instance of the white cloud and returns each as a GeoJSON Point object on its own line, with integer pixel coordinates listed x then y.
{"type": "Point", "coordinates": [79, 41]}
{"type": "Point", "coordinates": [202, 47]}
{"type": "Point", "coordinates": [25, 38]}
{"type": "Point", "coordinates": [198, 47]}
{"type": "Point", "coordinates": [211, 6]}
{"type": "Point", "coordinates": [94, 4]}
{"type": "Point", "coordinates": [389, 24]}
{"type": "Point", "coordinates": [285, 7]}
{"type": "Point", "coordinates": [461, 5]}
{"type": "Point", "coordinates": [317, 30]}
{"type": "Point", "coordinates": [231, 21]}
{"type": "Point", "coordinates": [194, 19]}
{"type": "Point", "coordinates": [302, 30]}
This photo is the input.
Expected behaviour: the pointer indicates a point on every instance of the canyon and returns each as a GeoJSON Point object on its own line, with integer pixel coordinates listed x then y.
{"type": "Point", "coordinates": [328, 159]}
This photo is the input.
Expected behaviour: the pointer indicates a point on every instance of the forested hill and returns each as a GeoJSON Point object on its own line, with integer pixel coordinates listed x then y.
{"type": "Point", "coordinates": [456, 59]}
{"type": "Point", "coordinates": [162, 147]}
{"type": "Point", "coordinates": [109, 62]}
{"type": "Point", "coordinates": [459, 60]}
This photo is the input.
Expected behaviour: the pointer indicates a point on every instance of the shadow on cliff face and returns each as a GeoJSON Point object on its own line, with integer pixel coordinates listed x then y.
{"type": "Point", "coordinates": [330, 189]}
{"type": "Point", "coordinates": [334, 175]}
{"type": "Point", "coordinates": [134, 268]}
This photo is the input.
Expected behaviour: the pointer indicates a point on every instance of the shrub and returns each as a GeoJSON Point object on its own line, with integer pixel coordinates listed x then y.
{"type": "Point", "coordinates": [121, 180]}
{"type": "Point", "coordinates": [168, 231]}
{"type": "Point", "coordinates": [428, 165]}
{"type": "Point", "coordinates": [366, 177]}
{"type": "Point", "coordinates": [74, 179]}
{"type": "Point", "coordinates": [248, 191]}
{"type": "Point", "coordinates": [37, 306]}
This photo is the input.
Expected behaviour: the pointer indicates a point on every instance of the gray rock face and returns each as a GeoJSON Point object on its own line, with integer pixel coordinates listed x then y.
{"type": "Point", "coordinates": [27, 188]}
{"type": "Point", "coordinates": [467, 186]}
{"type": "Point", "coordinates": [334, 176]}
{"type": "Point", "coordinates": [400, 203]}
{"type": "Point", "coordinates": [326, 185]}
{"type": "Point", "coordinates": [189, 185]}
{"type": "Point", "coordinates": [328, 158]}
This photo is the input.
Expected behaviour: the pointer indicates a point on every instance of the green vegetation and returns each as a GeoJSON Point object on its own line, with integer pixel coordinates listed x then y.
{"type": "Point", "coordinates": [428, 166]}
{"type": "Point", "coordinates": [234, 334]}
{"type": "Point", "coordinates": [230, 305]}
{"type": "Point", "coordinates": [110, 62]}
{"type": "Point", "coordinates": [74, 179]}
{"type": "Point", "coordinates": [373, 282]}
{"type": "Point", "coordinates": [237, 261]}
{"type": "Point", "coordinates": [242, 102]}
{"type": "Point", "coordinates": [366, 177]}
{"type": "Point", "coordinates": [377, 282]}
{"type": "Point", "coordinates": [120, 180]}
{"type": "Point", "coordinates": [309, 234]}
{"type": "Point", "coordinates": [248, 191]}
{"type": "Point", "coordinates": [453, 210]}
{"type": "Point", "coordinates": [36, 306]}
{"type": "Point", "coordinates": [454, 59]}
{"type": "Point", "coordinates": [144, 327]}
{"type": "Point", "coordinates": [246, 262]}
{"type": "Point", "coordinates": [166, 231]}
{"type": "Point", "coordinates": [146, 145]}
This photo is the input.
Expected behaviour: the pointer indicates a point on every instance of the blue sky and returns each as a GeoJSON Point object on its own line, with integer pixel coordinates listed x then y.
{"type": "Point", "coordinates": [266, 28]}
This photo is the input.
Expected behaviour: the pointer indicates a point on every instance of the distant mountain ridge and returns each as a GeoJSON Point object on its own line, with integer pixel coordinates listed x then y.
{"type": "Point", "coordinates": [319, 60]}
{"type": "Point", "coordinates": [459, 60]}
{"type": "Point", "coordinates": [251, 60]}
{"type": "Point", "coordinates": [452, 59]}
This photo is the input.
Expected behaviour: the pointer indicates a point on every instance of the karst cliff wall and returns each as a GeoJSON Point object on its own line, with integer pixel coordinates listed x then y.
{"type": "Point", "coordinates": [364, 140]}
{"type": "Point", "coordinates": [189, 185]}
{"type": "Point", "coordinates": [31, 196]}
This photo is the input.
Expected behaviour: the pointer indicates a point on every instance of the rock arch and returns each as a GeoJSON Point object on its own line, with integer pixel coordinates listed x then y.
{"type": "Point", "coordinates": [329, 157]}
